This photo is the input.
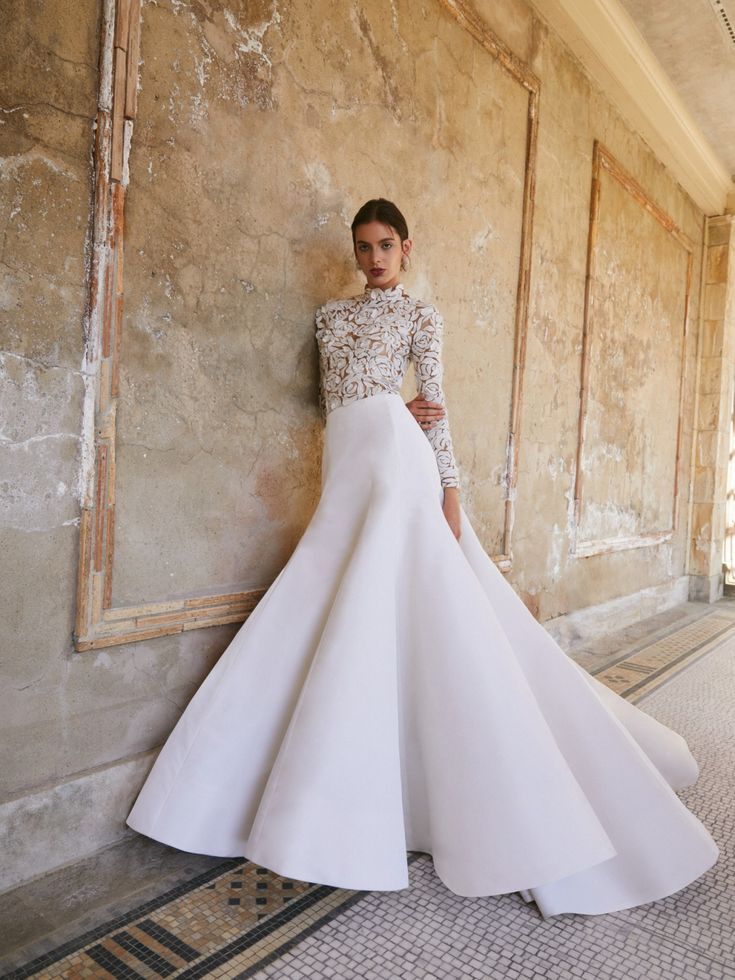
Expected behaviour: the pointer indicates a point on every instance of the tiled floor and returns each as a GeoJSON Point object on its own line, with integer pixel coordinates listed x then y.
{"type": "Point", "coordinates": [233, 919]}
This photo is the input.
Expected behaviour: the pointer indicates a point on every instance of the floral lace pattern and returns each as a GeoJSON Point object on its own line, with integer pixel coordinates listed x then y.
{"type": "Point", "coordinates": [365, 346]}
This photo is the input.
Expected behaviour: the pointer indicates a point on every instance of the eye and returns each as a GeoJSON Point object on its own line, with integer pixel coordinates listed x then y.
{"type": "Point", "coordinates": [362, 247]}
{"type": "Point", "coordinates": [387, 244]}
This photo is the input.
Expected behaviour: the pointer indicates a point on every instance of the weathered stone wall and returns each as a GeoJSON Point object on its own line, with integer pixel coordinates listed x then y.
{"type": "Point", "coordinates": [259, 137]}
{"type": "Point", "coordinates": [261, 128]}
{"type": "Point", "coordinates": [713, 464]}
{"type": "Point", "coordinates": [48, 80]}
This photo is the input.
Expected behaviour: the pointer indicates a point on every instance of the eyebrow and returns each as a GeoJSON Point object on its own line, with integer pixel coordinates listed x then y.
{"type": "Point", "coordinates": [361, 241]}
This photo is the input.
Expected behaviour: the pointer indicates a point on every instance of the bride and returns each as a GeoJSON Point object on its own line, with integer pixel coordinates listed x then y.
{"type": "Point", "coordinates": [392, 693]}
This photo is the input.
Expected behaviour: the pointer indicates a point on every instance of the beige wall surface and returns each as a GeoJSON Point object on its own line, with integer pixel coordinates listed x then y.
{"type": "Point", "coordinates": [261, 128]}
{"type": "Point", "coordinates": [637, 317]}
{"type": "Point", "coordinates": [247, 165]}
{"type": "Point", "coordinates": [573, 113]}
{"type": "Point", "coordinates": [48, 78]}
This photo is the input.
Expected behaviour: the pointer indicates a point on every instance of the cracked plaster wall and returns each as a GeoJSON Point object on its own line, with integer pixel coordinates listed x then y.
{"type": "Point", "coordinates": [261, 128]}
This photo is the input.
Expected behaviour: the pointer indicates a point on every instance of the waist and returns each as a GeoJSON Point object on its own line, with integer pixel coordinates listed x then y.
{"type": "Point", "coordinates": [357, 400]}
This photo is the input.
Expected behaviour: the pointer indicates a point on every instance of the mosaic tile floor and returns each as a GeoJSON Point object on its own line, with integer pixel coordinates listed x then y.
{"type": "Point", "coordinates": [239, 920]}
{"type": "Point", "coordinates": [645, 667]}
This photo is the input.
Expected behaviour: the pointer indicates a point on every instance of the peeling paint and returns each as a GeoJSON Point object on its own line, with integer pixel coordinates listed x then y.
{"type": "Point", "coordinates": [25, 443]}
{"type": "Point", "coordinates": [13, 164]}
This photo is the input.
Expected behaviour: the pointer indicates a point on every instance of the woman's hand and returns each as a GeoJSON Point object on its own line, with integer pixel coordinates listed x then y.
{"type": "Point", "coordinates": [452, 510]}
{"type": "Point", "coordinates": [425, 412]}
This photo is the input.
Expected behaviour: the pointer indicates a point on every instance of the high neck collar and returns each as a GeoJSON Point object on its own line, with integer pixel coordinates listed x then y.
{"type": "Point", "coordinates": [376, 294]}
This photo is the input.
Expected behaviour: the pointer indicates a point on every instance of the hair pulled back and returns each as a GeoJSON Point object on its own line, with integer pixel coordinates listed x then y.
{"type": "Point", "coordinates": [379, 209]}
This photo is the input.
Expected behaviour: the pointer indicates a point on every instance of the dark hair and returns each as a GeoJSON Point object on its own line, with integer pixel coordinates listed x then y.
{"type": "Point", "coordinates": [378, 209]}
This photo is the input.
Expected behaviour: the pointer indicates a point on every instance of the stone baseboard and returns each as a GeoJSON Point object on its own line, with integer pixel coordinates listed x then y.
{"type": "Point", "coordinates": [57, 825]}
{"type": "Point", "coordinates": [706, 588]}
{"type": "Point", "coordinates": [585, 625]}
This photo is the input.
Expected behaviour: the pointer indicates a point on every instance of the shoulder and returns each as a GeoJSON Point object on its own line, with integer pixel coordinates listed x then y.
{"type": "Point", "coordinates": [425, 315]}
{"type": "Point", "coordinates": [333, 309]}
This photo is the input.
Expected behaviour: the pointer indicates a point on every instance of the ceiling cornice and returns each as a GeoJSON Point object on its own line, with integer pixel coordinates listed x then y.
{"type": "Point", "coordinates": [605, 38]}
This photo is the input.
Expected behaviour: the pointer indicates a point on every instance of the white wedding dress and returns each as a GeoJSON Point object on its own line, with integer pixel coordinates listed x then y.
{"type": "Point", "coordinates": [391, 691]}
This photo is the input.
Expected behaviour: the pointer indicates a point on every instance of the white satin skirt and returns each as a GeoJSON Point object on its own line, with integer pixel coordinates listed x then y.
{"type": "Point", "coordinates": [391, 692]}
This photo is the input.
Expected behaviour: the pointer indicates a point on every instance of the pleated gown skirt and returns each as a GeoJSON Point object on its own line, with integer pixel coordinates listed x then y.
{"type": "Point", "coordinates": [391, 692]}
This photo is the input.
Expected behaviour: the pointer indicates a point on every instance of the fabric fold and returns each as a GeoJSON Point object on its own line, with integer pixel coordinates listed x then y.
{"type": "Point", "coordinates": [391, 692]}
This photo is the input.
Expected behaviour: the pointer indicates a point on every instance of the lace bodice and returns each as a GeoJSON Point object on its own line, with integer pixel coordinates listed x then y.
{"type": "Point", "coordinates": [365, 345]}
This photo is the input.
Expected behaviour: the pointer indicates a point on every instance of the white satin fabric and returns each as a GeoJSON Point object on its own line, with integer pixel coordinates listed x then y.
{"type": "Point", "coordinates": [391, 692]}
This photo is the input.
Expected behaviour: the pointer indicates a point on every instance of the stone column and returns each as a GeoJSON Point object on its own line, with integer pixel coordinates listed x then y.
{"type": "Point", "coordinates": [714, 412]}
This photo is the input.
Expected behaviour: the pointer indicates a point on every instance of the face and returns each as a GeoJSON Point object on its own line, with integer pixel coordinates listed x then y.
{"type": "Point", "coordinates": [379, 250]}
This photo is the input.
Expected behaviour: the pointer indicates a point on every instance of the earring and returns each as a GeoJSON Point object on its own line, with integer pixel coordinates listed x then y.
{"type": "Point", "coordinates": [404, 263]}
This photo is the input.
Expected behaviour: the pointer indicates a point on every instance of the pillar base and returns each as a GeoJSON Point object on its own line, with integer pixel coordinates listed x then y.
{"type": "Point", "coordinates": [706, 588]}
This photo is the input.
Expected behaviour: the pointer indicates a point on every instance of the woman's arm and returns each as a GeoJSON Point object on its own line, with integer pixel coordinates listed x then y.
{"type": "Point", "coordinates": [426, 355]}
{"type": "Point", "coordinates": [452, 511]}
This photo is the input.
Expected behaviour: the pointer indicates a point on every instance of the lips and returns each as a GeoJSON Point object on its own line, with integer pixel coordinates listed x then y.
{"type": "Point", "coordinates": [377, 272]}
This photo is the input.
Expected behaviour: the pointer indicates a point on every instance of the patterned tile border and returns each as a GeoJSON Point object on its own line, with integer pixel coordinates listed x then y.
{"type": "Point", "coordinates": [638, 673]}
{"type": "Point", "coordinates": [236, 915]}
{"type": "Point", "coordinates": [35, 967]}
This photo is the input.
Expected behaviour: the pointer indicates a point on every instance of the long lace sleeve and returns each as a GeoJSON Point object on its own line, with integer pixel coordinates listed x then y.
{"type": "Point", "coordinates": [426, 356]}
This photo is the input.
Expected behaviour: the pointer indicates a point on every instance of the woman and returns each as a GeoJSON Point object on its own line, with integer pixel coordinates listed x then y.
{"type": "Point", "coordinates": [391, 692]}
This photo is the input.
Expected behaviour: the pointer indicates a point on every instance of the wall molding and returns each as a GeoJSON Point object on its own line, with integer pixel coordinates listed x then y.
{"type": "Point", "coordinates": [97, 623]}
{"type": "Point", "coordinates": [520, 72]}
{"type": "Point", "coordinates": [606, 40]}
{"type": "Point", "coordinates": [604, 162]}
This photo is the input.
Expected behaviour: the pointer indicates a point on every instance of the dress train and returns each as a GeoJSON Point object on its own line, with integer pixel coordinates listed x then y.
{"type": "Point", "coordinates": [391, 692]}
